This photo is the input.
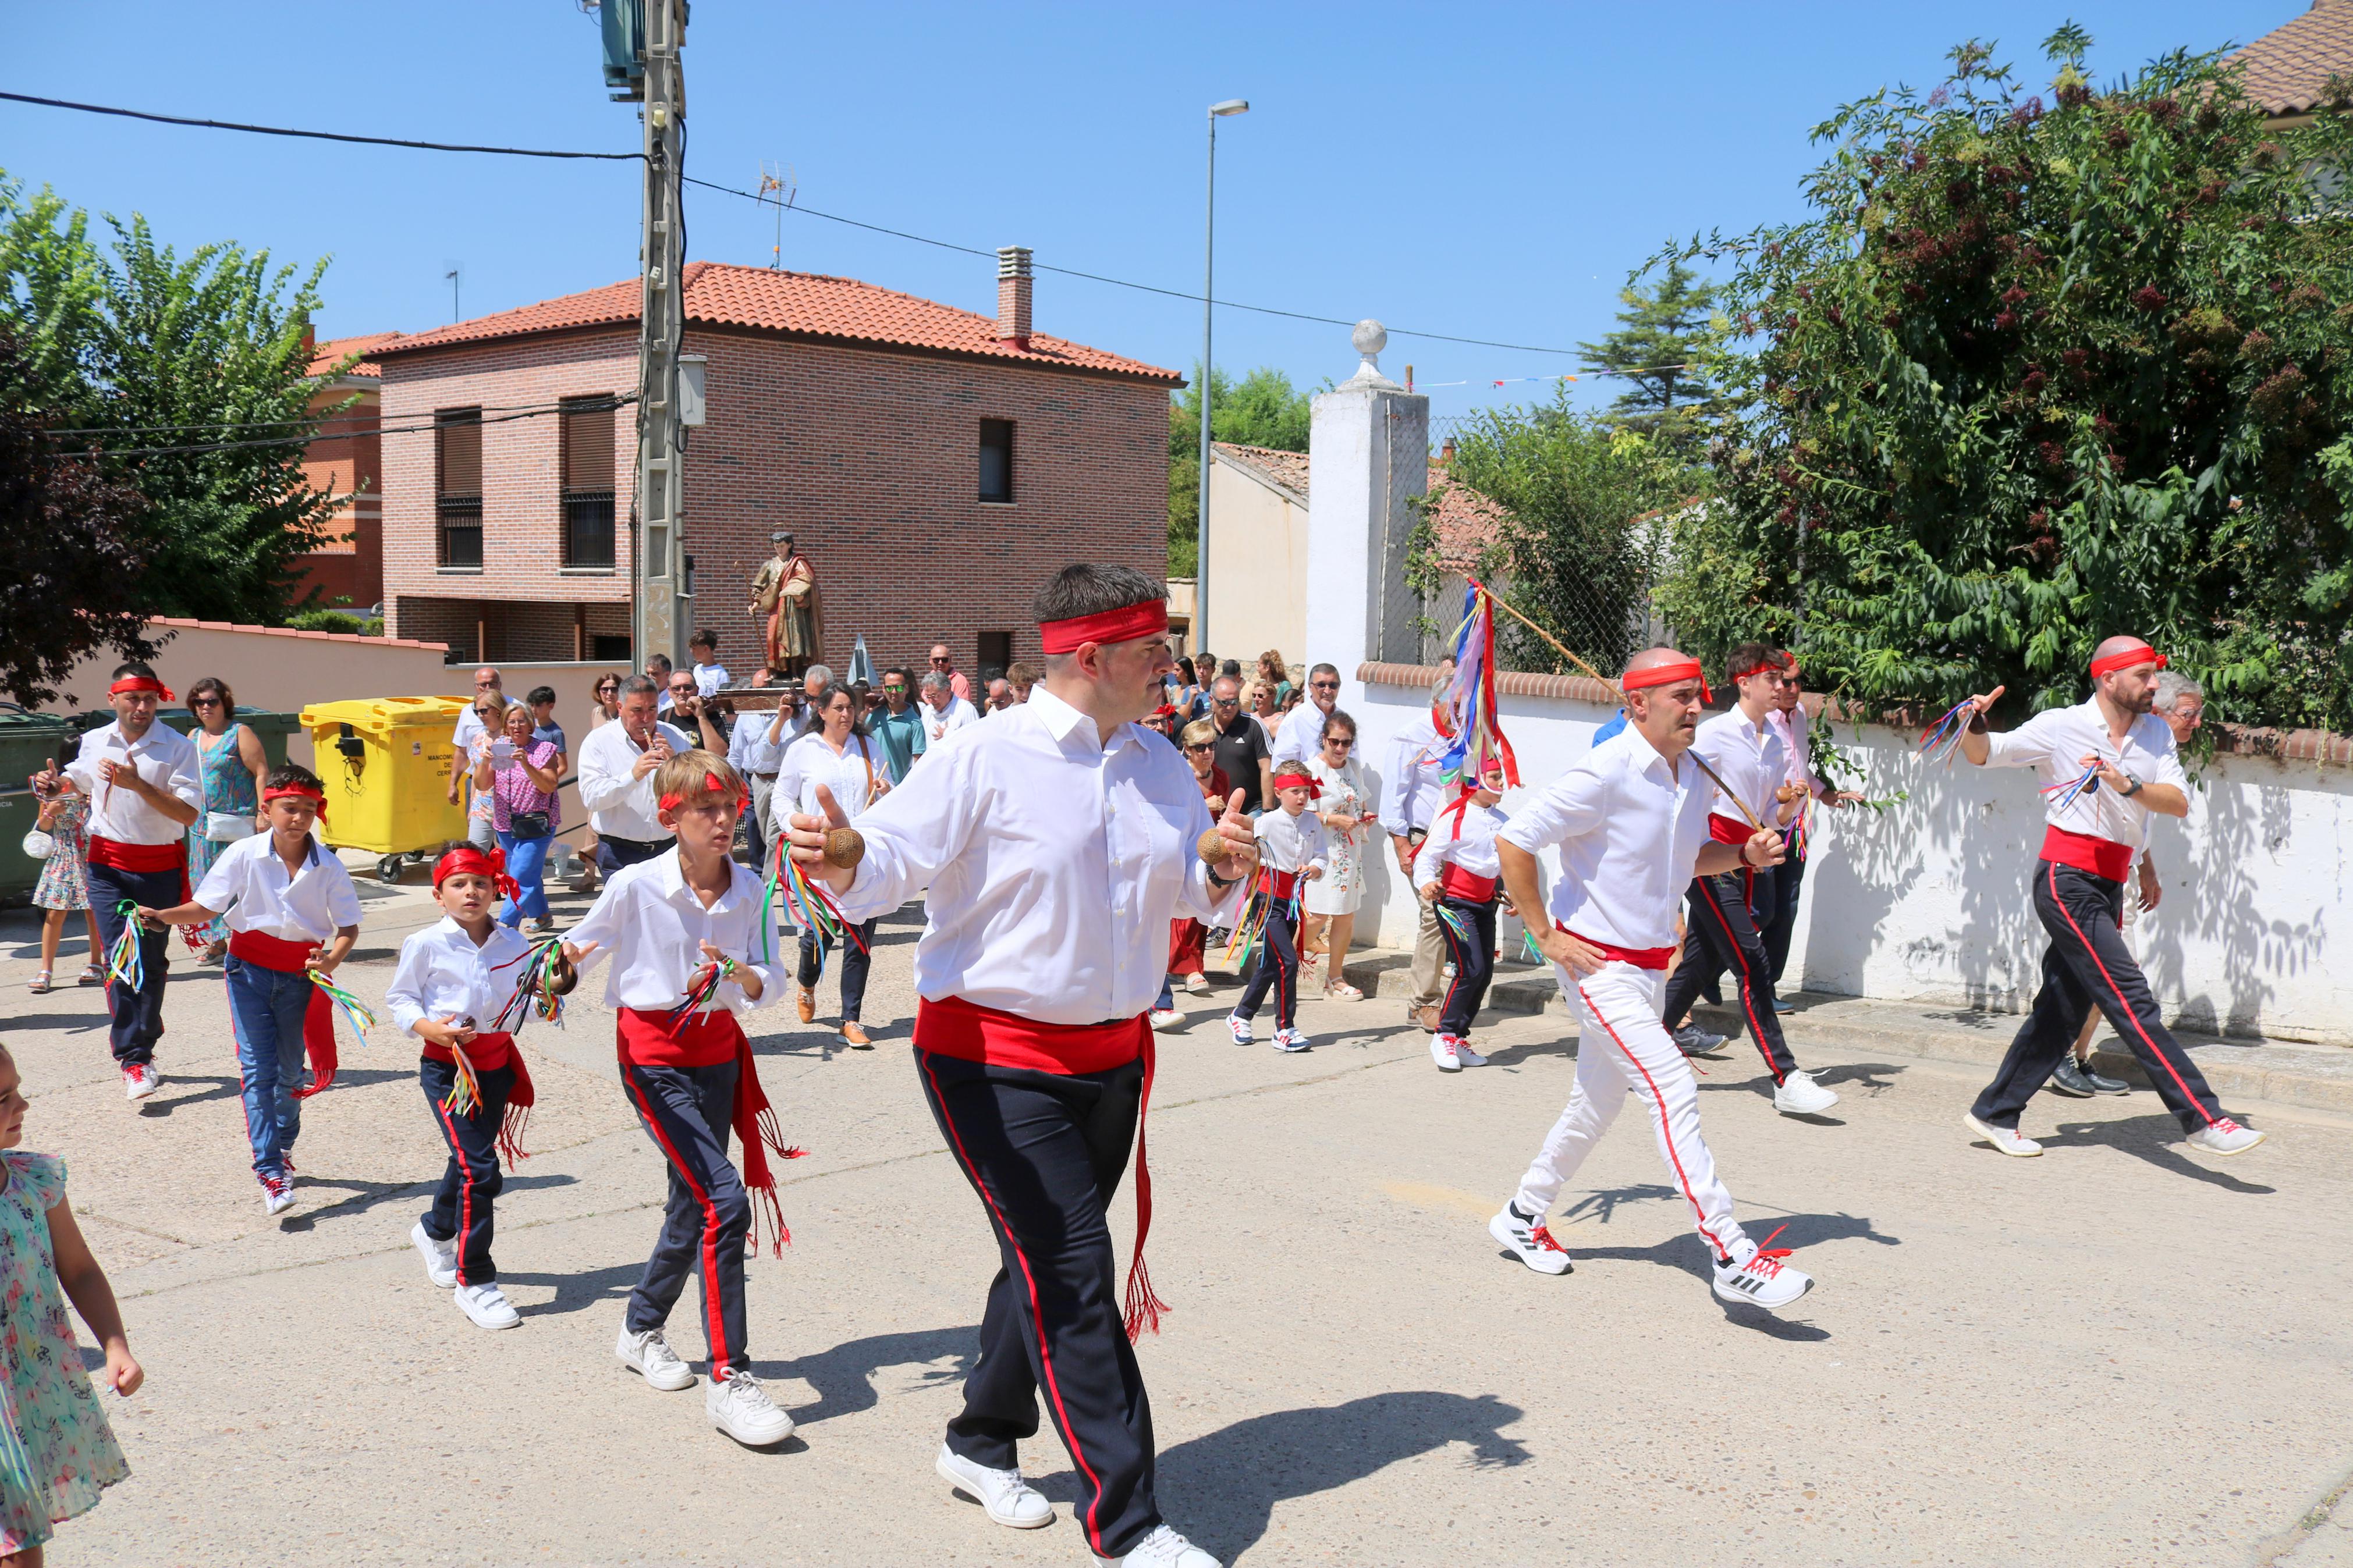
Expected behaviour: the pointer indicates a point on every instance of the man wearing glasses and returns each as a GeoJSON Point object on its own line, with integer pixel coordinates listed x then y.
{"type": "Point", "coordinates": [944, 665]}
{"type": "Point", "coordinates": [898, 729]}
{"type": "Point", "coordinates": [1300, 738]}
{"type": "Point", "coordinates": [1240, 748]}
{"type": "Point", "coordinates": [470, 729]}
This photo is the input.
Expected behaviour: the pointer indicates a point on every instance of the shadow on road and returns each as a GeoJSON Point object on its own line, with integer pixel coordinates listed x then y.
{"type": "Point", "coordinates": [164, 1104]}
{"type": "Point", "coordinates": [2155, 1139]}
{"type": "Point", "coordinates": [575, 1292]}
{"type": "Point", "coordinates": [366, 1196]}
{"type": "Point", "coordinates": [844, 1376]}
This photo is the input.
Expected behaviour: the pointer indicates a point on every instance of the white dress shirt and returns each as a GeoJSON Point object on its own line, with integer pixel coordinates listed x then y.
{"type": "Point", "coordinates": [1300, 738]}
{"type": "Point", "coordinates": [1751, 757]}
{"type": "Point", "coordinates": [1629, 831]}
{"type": "Point", "coordinates": [250, 885]}
{"type": "Point", "coordinates": [1054, 863]}
{"type": "Point", "coordinates": [2055, 743]}
{"type": "Point", "coordinates": [941, 723]}
{"type": "Point", "coordinates": [162, 757]}
{"type": "Point", "coordinates": [851, 773]}
{"type": "Point", "coordinates": [1411, 790]}
{"type": "Point", "coordinates": [443, 974]}
{"type": "Point", "coordinates": [1288, 843]}
{"type": "Point", "coordinates": [1793, 729]}
{"type": "Point", "coordinates": [619, 804]}
{"type": "Point", "coordinates": [1474, 851]}
{"type": "Point", "coordinates": [652, 926]}
{"type": "Point", "coordinates": [749, 750]}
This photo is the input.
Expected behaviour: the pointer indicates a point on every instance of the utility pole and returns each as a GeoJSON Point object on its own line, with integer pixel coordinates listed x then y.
{"type": "Point", "coordinates": [659, 611]}
{"type": "Point", "coordinates": [1200, 629]}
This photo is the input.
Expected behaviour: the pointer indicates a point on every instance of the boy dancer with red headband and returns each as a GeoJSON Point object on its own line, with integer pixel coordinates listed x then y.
{"type": "Point", "coordinates": [293, 913]}
{"type": "Point", "coordinates": [455, 985]}
{"type": "Point", "coordinates": [1630, 821]}
{"type": "Point", "coordinates": [1031, 1043]}
{"type": "Point", "coordinates": [1460, 881]}
{"type": "Point", "coordinates": [2106, 765]}
{"type": "Point", "coordinates": [693, 939]}
{"type": "Point", "coordinates": [144, 788]}
{"type": "Point", "coordinates": [1292, 851]}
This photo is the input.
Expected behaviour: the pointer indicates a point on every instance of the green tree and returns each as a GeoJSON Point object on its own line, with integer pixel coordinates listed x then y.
{"type": "Point", "coordinates": [1263, 409]}
{"type": "Point", "coordinates": [1664, 340]}
{"type": "Point", "coordinates": [1579, 530]}
{"type": "Point", "coordinates": [2033, 375]}
{"type": "Point", "coordinates": [194, 373]}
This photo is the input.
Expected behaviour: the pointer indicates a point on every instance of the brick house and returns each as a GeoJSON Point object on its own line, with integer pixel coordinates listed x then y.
{"type": "Point", "coordinates": [347, 459]}
{"type": "Point", "coordinates": [937, 465]}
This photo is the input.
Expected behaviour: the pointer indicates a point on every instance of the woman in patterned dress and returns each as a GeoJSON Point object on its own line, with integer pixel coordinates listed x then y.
{"type": "Point", "coordinates": [65, 883]}
{"type": "Point", "coordinates": [232, 764]}
{"type": "Point", "coordinates": [1346, 808]}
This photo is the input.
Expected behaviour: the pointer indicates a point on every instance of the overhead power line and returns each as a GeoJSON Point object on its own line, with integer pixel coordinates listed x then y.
{"type": "Point", "coordinates": [584, 405]}
{"type": "Point", "coordinates": [314, 135]}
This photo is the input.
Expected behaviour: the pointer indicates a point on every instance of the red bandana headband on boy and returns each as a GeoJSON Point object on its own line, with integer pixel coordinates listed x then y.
{"type": "Point", "coordinates": [317, 797]}
{"type": "Point", "coordinates": [132, 683]}
{"type": "Point", "coordinates": [1769, 662]}
{"type": "Point", "coordinates": [1666, 675]}
{"type": "Point", "coordinates": [469, 861]}
{"type": "Point", "coordinates": [712, 785]}
{"type": "Point", "coordinates": [2140, 653]}
{"type": "Point", "coordinates": [1296, 778]}
{"type": "Point", "coordinates": [1147, 619]}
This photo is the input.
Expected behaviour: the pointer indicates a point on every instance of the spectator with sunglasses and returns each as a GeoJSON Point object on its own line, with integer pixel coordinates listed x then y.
{"type": "Point", "coordinates": [1300, 738]}
{"type": "Point", "coordinates": [1346, 807]}
{"type": "Point", "coordinates": [1241, 750]}
{"type": "Point", "coordinates": [898, 728]}
{"type": "Point", "coordinates": [233, 765]}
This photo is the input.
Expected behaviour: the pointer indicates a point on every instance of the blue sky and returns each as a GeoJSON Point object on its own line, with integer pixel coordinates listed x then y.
{"type": "Point", "coordinates": [1486, 171]}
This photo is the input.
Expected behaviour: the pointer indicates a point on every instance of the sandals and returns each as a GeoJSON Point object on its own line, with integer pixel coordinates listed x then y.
{"type": "Point", "coordinates": [40, 984]}
{"type": "Point", "coordinates": [94, 974]}
{"type": "Point", "coordinates": [1341, 991]}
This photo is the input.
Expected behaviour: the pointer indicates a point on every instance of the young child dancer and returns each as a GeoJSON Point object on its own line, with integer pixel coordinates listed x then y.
{"type": "Point", "coordinates": [693, 937]}
{"type": "Point", "coordinates": [1292, 848]}
{"type": "Point", "coordinates": [454, 990]}
{"type": "Point", "coordinates": [57, 1452]}
{"type": "Point", "coordinates": [1462, 879]}
{"type": "Point", "coordinates": [293, 913]}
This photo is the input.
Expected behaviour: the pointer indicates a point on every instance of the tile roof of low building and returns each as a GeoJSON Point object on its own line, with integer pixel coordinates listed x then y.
{"type": "Point", "coordinates": [1467, 520]}
{"type": "Point", "coordinates": [325, 356]}
{"type": "Point", "coordinates": [805, 304]}
{"type": "Point", "coordinates": [2287, 69]}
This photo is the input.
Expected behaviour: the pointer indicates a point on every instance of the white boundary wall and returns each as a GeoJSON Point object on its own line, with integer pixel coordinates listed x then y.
{"type": "Point", "coordinates": [1926, 901]}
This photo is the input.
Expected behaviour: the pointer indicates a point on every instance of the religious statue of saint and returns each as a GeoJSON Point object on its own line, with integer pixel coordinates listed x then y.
{"type": "Point", "coordinates": [783, 600]}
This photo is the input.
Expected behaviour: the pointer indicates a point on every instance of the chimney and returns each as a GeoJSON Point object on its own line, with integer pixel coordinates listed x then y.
{"type": "Point", "coordinates": [1013, 281]}
{"type": "Point", "coordinates": [1446, 452]}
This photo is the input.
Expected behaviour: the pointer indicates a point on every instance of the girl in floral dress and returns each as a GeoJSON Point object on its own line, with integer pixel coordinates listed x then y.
{"type": "Point", "coordinates": [65, 884]}
{"type": "Point", "coordinates": [57, 1452]}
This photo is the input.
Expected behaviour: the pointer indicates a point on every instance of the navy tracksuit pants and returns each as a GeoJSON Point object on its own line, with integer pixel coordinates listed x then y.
{"type": "Point", "coordinates": [471, 1182]}
{"type": "Point", "coordinates": [1720, 934]}
{"type": "Point", "coordinates": [1276, 967]}
{"type": "Point", "coordinates": [1046, 1151]}
{"type": "Point", "coordinates": [138, 1021]}
{"type": "Point", "coordinates": [1474, 962]}
{"type": "Point", "coordinates": [2087, 966]}
{"type": "Point", "coordinates": [688, 1112]}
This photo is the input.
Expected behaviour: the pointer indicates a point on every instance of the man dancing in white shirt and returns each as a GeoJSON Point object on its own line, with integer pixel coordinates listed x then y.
{"type": "Point", "coordinates": [1630, 820]}
{"type": "Point", "coordinates": [1031, 1044]}
{"type": "Point", "coordinates": [2106, 765]}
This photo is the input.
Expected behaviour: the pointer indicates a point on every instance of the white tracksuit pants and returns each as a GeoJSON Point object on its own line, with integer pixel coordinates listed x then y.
{"type": "Point", "coordinates": [1622, 1048]}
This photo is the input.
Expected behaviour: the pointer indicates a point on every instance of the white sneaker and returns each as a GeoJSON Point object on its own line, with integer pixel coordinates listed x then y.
{"type": "Point", "coordinates": [650, 1356]}
{"type": "Point", "coordinates": [141, 1080]}
{"type": "Point", "coordinates": [1763, 1280]}
{"type": "Point", "coordinates": [277, 1196]}
{"type": "Point", "coordinates": [1447, 1052]}
{"type": "Point", "coordinates": [1164, 1548]}
{"type": "Point", "coordinates": [1291, 1040]}
{"type": "Point", "coordinates": [488, 1306]}
{"type": "Point", "coordinates": [1800, 1095]}
{"type": "Point", "coordinates": [1530, 1241]}
{"type": "Point", "coordinates": [1240, 1026]}
{"type": "Point", "coordinates": [2005, 1140]}
{"type": "Point", "coordinates": [2225, 1137]}
{"type": "Point", "coordinates": [1008, 1498]}
{"type": "Point", "coordinates": [440, 1257]}
{"type": "Point", "coordinates": [1467, 1056]}
{"type": "Point", "coordinates": [742, 1408]}
{"type": "Point", "coordinates": [1167, 1017]}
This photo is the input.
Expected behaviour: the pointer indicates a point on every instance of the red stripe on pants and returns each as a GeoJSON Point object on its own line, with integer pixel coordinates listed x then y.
{"type": "Point", "coordinates": [1666, 1132]}
{"type": "Point", "coordinates": [465, 1205]}
{"type": "Point", "coordinates": [717, 1327]}
{"type": "Point", "coordinates": [1747, 987]}
{"type": "Point", "coordinates": [2121, 1005]}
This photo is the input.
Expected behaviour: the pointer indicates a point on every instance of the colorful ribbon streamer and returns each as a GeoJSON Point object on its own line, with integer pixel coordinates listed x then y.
{"type": "Point", "coordinates": [355, 1011]}
{"type": "Point", "coordinates": [123, 963]}
{"type": "Point", "coordinates": [2070, 790]}
{"type": "Point", "coordinates": [534, 990]}
{"type": "Point", "coordinates": [1942, 740]}
{"type": "Point", "coordinates": [810, 906]}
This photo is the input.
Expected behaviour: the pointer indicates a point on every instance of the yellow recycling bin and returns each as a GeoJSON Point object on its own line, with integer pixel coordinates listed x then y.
{"type": "Point", "coordinates": [386, 764]}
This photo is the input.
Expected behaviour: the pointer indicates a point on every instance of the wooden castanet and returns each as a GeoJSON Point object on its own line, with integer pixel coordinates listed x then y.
{"type": "Point", "coordinates": [844, 848]}
{"type": "Point", "coordinates": [1213, 847]}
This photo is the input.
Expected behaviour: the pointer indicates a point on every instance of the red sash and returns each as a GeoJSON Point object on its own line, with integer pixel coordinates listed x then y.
{"type": "Point", "coordinates": [953, 1027]}
{"type": "Point", "coordinates": [1727, 830]}
{"type": "Point", "coordinates": [647, 1040]}
{"type": "Point", "coordinates": [171, 857]}
{"type": "Point", "coordinates": [488, 1053]}
{"type": "Point", "coordinates": [1654, 958]}
{"type": "Point", "coordinates": [263, 951]}
{"type": "Point", "coordinates": [1468, 886]}
{"type": "Point", "coordinates": [2086, 852]}
{"type": "Point", "coordinates": [1278, 884]}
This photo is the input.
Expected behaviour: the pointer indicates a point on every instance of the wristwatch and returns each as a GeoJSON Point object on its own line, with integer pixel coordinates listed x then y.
{"type": "Point", "coordinates": [2132, 788]}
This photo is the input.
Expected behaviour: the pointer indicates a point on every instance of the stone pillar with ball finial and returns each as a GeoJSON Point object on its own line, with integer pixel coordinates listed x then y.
{"type": "Point", "coordinates": [1367, 465]}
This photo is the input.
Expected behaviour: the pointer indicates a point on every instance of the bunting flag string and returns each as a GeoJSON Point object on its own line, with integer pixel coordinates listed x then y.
{"type": "Point", "coordinates": [1573, 375]}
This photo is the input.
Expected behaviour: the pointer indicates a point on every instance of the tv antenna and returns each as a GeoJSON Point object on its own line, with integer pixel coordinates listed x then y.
{"type": "Point", "coordinates": [777, 186]}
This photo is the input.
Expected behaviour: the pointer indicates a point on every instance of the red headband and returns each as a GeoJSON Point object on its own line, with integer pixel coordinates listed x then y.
{"type": "Point", "coordinates": [468, 861]}
{"type": "Point", "coordinates": [1666, 675]}
{"type": "Point", "coordinates": [317, 797]}
{"type": "Point", "coordinates": [1299, 778]}
{"type": "Point", "coordinates": [1147, 618]}
{"type": "Point", "coordinates": [140, 683]}
{"type": "Point", "coordinates": [1760, 668]}
{"type": "Point", "coordinates": [712, 786]}
{"type": "Point", "coordinates": [2140, 653]}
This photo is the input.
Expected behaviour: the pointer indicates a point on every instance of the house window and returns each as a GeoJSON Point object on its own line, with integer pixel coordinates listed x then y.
{"type": "Point", "coordinates": [603, 647]}
{"type": "Point", "coordinates": [995, 654]}
{"type": "Point", "coordinates": [996, 459]}
{"type": "Point", "coordinates": [458, 487]}
{"type": "Point", "coordinates": [588, 482]}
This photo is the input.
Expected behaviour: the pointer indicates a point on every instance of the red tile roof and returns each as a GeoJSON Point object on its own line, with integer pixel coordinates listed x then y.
{"type": "Point", "coordinates": [1467, 520]}
{"type": "Point", "coordinates": [805, 304]}
{"type": "Point", "coordinates": [2287, 68]}
{"type": "Point", "coordinates": [325, 355]}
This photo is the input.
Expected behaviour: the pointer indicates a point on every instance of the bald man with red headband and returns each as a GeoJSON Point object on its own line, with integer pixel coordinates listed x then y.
{"type": "Point", "coordinates": [2106, 765]}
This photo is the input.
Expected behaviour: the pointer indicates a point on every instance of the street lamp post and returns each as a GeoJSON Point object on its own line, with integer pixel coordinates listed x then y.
{"type": "Point", "coordinates": [1209, 279]}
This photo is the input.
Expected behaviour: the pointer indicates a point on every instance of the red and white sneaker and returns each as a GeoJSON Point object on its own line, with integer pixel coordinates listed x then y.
{"type": "Point", "coordinates": [277, 1196]}
{"type": "Point", "coordinates": [1240, 1028]}
{"type": "Point", "coordinates": [1446, 1050]}
{"type": "Point", "coordinates": [2225, 1137]}
{"type": "Point", "coordinates": [1762, 1279]}
{"type": "Point", "coordinates": [1529, 1241]}
{"type": "Point", "coordinates": [140, 1081]}
{"type": "Point", "coordinates": [1466, 1056]}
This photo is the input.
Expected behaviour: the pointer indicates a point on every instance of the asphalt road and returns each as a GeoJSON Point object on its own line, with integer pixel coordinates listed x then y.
{"type": "Point", "coordinates": [2117, 1354]}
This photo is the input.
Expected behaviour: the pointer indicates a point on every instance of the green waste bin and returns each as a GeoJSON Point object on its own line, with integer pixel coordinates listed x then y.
{"type": "Point", "coordinates": [27, 742]}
